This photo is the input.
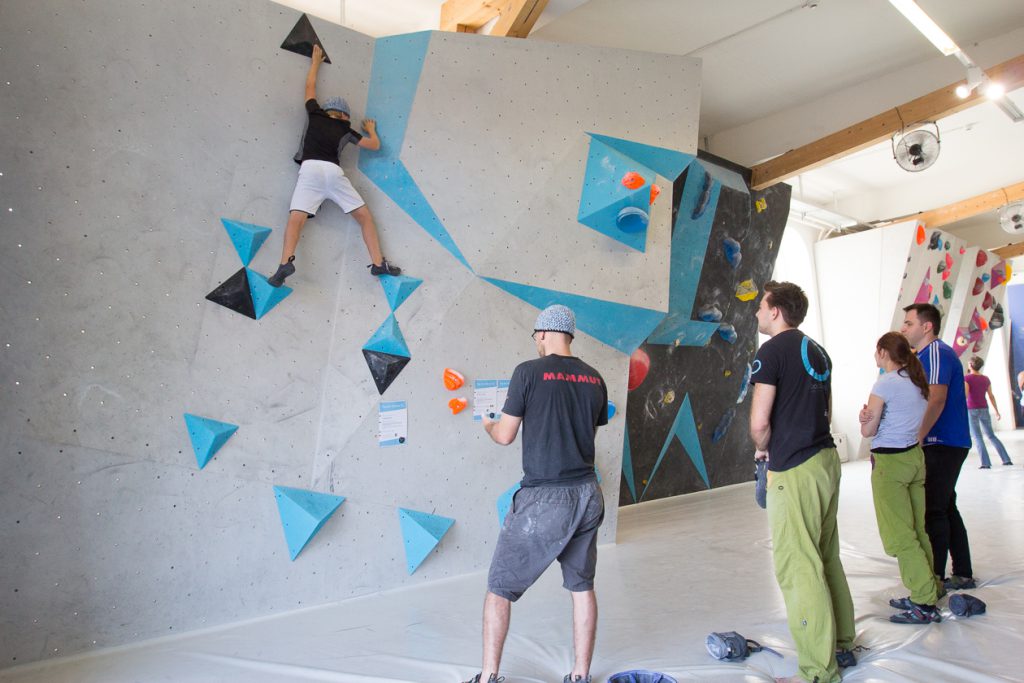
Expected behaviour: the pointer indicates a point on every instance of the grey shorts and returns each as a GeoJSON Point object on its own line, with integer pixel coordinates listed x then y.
{"type": "Point", "coordinates": [544, 524]}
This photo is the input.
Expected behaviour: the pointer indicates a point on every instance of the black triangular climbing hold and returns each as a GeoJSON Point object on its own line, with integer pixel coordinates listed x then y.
{"type": "Point", "coordinates": [302, 39]}
{"type": "Point", "coordinates": [384, 367]}
{"type": "Point", "coordinates": [234, 293]}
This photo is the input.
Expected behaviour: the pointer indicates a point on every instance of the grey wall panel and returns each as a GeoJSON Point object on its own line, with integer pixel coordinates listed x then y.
{"type": "Point", "coordinates": [130, 129]}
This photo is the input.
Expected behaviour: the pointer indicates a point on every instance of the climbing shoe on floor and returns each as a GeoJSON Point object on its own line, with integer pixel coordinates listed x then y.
{"type": "Point", "coordinates": [384, 268]}
{"type": "Point", "coordinates": [917, 614]}
{"type": "Point", "coordinates": [493, 679]}
{"type": "Point", "coordinates": [959, 583]}
{"type": "Point", "coordinates": [964, 605]}
{"type": "Point", "coordinates": [901, 603]}
{"type": "Point", "coordinates": [283, 271]}
{"type": "Point", "coordinates": [845, 658]}
{"type": "Point", "coordinates": [578, 679]}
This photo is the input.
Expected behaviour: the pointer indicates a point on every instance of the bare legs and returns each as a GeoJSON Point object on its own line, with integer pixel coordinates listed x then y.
{"type": "Point", "coordinates": [498, 611]}
{"type": "Point", "coordinates": [292, 232]}
{"type": "Point", "coordinates": [584, 628]}
{"type": "Point", "coordinates": [365, 220]}
{"type": "Point", "coordinates": [297, 221]}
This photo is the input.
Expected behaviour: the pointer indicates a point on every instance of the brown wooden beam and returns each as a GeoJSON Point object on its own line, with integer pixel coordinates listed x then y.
{"type": "Point", "coordinates": [965, 208]}
{"type": "Point", "coordinates": [931, 107]}
{"type": "Point", "coordinates": [1009, 251]}
{"type": "Point", "coordinates": [516, 17]}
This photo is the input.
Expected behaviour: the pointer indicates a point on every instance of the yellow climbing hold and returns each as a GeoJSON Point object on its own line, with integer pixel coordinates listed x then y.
{"type": "Point", "coordinates": [746, 290]}
{"type": "Point", "coordinates": [761, 204]}
{"type": "Point", "coordinates": [728, 372]}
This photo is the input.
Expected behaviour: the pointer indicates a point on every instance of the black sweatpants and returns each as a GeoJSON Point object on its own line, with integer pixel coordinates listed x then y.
{"type": "Point", "coordinates": [942, 520]}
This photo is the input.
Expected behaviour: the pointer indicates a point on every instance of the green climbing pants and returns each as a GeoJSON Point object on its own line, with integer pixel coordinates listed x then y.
{"type": "Point", "coordinates": [897, 485]}
{"type": "Point", "coordinates": [802, 506]}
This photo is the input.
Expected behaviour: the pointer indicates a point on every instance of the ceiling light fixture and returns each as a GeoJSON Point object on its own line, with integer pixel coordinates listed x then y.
{"type": "Point", "coordinates": [928, 28]}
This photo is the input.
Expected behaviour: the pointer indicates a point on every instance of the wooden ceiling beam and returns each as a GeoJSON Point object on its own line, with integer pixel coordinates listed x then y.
{"type": "Point", "coordinates": [933, 106]}
{"type": "Point", "coordinates": [516, 18]}
{"type": "Point", "coordinates": [966, 208]}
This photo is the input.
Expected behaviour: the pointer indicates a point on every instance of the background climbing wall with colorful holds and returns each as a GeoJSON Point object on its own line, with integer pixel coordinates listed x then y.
{"type": "Point", "coordinates": [934, 263]}
{"type": "Point", "coordinates": [147, 149]}
{"type": "Point", "coordinates": [689, 404]}
{"type": "Point", "coordinates": [979, 308]}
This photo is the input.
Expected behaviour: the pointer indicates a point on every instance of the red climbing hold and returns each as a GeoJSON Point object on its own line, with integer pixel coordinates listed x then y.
{"type": "Point", "coordinates": [639, 366]}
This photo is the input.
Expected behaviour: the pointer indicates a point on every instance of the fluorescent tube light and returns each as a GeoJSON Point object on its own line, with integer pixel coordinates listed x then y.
{"type": "Point", "coordinates": [923, 23]}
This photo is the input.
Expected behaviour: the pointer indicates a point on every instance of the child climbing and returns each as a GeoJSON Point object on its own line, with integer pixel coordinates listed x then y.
{"type": "Point", "coordinates": [321, 177]}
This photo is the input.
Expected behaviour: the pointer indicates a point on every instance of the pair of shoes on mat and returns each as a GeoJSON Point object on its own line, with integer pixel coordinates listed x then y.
{"type": "Point", "coordinates": [578, 679]}
{"type": "Point", "coordinates": [917, 614]}
{"type": "Point", "coordinates": [959, 583]}
{"type": "Point", "coordinates": [492, 679]}
{"type": "Point", "coordinates": [283, 271]}
{"type": "Point", "coordinates": [384, 268]}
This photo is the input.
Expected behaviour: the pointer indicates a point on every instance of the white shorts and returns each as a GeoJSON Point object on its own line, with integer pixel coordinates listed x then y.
{"type": "Point", "coordinates": [320, 180]}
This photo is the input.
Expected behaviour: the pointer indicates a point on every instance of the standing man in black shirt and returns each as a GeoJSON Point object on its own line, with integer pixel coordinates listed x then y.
{"type": "Point", "coordinates": [321, 177]}
{"type": "Point", "coordinates": [560, 401]}
{"type": "Point", "coordinates": [790, 426]}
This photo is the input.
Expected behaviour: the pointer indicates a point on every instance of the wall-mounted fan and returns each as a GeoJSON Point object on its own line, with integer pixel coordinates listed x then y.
{"type": "Point", "coordinates": [1011, 218]}
{"type": "Point", "coordinates": [918, 149]}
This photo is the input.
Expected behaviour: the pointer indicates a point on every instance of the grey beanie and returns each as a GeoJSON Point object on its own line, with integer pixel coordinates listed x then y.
{"type": "Point", "coordinates": [337, 104]}
{"type": "Point", "coordinates": [556, 318]}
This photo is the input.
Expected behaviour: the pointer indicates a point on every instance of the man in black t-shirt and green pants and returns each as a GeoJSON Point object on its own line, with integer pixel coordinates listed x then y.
{"type": "Point", "coordinates": [790, 426]}
{"type": "Point", "coordinates": [560, 401]}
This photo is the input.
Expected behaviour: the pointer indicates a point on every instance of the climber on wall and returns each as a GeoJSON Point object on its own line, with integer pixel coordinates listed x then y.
{"type": "Point", "coordinates": [321, 177]}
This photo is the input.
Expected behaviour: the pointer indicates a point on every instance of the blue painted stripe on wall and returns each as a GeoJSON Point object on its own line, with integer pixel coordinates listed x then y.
{"type": "Point", "coordinates": [620, 326]}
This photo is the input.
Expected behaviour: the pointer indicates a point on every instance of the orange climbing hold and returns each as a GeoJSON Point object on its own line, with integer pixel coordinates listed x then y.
{"type": "Point", "coordinates": [633, 180]}
{"type": "Point", "coordinates": [457, 405]}
{"type": "Point", "coordinates": [655, 191]}
{"type": "Point", "coordinates": [920, 234]}
{"type": "Point", "coordinates": [453, 379]}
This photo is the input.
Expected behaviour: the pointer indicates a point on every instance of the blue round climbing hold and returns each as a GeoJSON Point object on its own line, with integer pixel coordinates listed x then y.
{"type": "Point", "coordinates": [611, 410]}
{"type": "Point", "coordinates": [632, 219]}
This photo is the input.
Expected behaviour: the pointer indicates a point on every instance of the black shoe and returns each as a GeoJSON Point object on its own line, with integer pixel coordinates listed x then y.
{"type": "Point", "coordinates": [845, 659]}
{"type": "Point", "coordinates": [918, 614]}
{"type": "Point", "coordinates": [901, 603]}
{"type": "Point", "coordinates": [959, 583]}
{"type": "Point", "coordinates": [985, 467]}
{"type": "Point", "coordinates": [283, 271]}
{"type": "Point", "coordinates": [492, 679]}
{"type": "Point", "coordinates": [1008, 463]}
{"type": "Point", "coordinates": [384, 268]}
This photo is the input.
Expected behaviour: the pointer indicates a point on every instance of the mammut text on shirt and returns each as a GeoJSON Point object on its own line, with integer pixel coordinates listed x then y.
{"type": "Point", "coordinates": [562, 401]}
{"type": "Point", "coordinates": [801, 372]}
{"type": "Point", "coordinates": [325, 137]}
{"type": "Point", "coordinates": [941, 366]}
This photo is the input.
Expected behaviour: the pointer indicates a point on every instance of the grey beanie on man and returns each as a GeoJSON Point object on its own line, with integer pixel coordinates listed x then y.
{"type": "Point", "coordinates": [556, 318]}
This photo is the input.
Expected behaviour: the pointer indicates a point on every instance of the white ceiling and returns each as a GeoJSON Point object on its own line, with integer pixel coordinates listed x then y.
{"type": "Point", "coordinates": [778, 60]}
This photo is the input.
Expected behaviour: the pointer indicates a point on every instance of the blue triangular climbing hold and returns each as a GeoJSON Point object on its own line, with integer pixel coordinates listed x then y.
{"type": "Point", "coordinates": [421, 532]}
{"type": "Point", "coordinates": [264, 295]}
{"type": "Point", "coordinates": [604, 196]}
{"type": "Point", "coordinates": [505, 502]}
{"type": "Point", "coordinates": [685, 429]}
{"type": "Point", "coordinates": [668, 163]}
{"type": "Point", "coordinates": [388, 339]}
{"type": "Point", "coordinates": [397, 288]}
{"type": "Point", "coordinates": [303, 513]}
{"type": "Point", "coordinates": [246, 237]}
{"type": "Point", "coordinates": [627, 465]}
{"type": "Point", "coordinates": [207, 436]}
{"type": "Point", "coordinates": [620, 326]}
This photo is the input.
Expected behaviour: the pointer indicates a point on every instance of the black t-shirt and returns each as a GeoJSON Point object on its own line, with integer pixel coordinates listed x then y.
{"type": "Point", "coordinates": [562, 401]}
{"type": "Point", "coordinates": [325, 137]}
{"type": "Point", "coordinates": [801, 372]}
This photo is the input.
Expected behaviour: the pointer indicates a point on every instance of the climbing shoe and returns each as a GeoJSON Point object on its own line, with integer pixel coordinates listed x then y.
{"type": "Point", "coordinates": [845, 659]}
{"type": "Point", "coordinates": [901, 603]}
{"type": "Point", "coordinates": [492, 679]}
{"type": "Point", "coordinates": [283, 271]}
{"type": "Point", "coordinates": [965, 605]}
{"type": "Point", "coordinates": [917, 614]}
{"type": "Point", "coordinates": [578, 679]}
{"type": "Point", "coordinates": [959, 583]}
{"type": "Point", "coordinates": [384, 268]}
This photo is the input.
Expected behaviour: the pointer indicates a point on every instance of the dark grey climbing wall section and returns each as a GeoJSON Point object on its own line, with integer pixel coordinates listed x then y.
{"type": "Point", "coordinates": [714, 448]}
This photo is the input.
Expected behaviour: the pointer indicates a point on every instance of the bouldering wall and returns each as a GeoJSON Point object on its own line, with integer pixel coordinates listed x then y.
{"type": "Point", "coordinates": [979, 306]}
{"type": "Point", "coordinates": [688, 408]}
{"type": "Point", "coordinates": [147, 151]}
{"type": "Point", "coordinates": [935, 260]}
